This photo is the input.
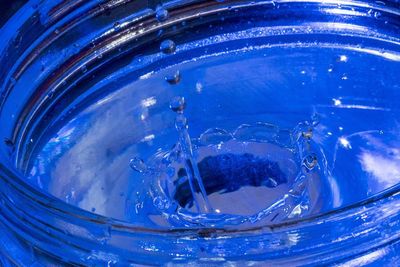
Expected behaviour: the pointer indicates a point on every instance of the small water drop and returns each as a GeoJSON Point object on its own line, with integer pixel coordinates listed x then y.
{"type": "Point", "coordinates": [167, 46]}
{"type": "Point", "coordinates": [199, 87]}
{"type": "Point", "coordinates": [181, 122]}
{"type": "Point", "coordinates": [161, 203]}
{"type": "Point", "coordinates": [161, 14]}
{"type": "Point", "coordinates": [377, 15]}
{"type": "Point", "coordinates": [174, 78]}
{"type": "Point", "coordinates": [56, 31]}
{"type": "Point", "coordinates": [310, 161]}
{"type": "Point", "coordinates": [342, 58]}
{"type": "Point", "coordinates": [117, 24]}
{"type": "Point", "coordinates": [344, 77]}
{"type": "Point", "coordinates": [138, 165]}
{"type": "Point", "coordinates": [93, 209]}
{"type": "Point", "coordinates": [178, 104]}
{"type": "Point", "coordinates": [330, 68]}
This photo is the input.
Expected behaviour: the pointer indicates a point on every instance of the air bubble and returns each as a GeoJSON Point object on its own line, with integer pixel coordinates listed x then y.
{"type": "Point", "coordinates": [178, 104]}
{"type": "Point", "coordinates": [161, 14]}
{"type": "Point", "coordinates": [138, 165]}
{"type": "Point", "coordinates": [167, 47]}
{"type": "Point", "coordinates": [174, 78]}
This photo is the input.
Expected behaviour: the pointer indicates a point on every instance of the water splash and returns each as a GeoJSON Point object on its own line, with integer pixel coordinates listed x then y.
{"type": "Point", "coordinates": [178, 105]}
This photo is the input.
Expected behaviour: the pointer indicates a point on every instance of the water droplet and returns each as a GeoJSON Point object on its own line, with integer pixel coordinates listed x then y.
{"type": "Point", "coordinates": [174, 78]}
{"type": "Point", "coordinates": [93, 209]}
{"type": "Point", "coordinates": [310, 161]}
{"type": "Point", "coordinates": [214, 137]}
{"type": "Point", "coordinates": [56, 31]}
{"type": "Point", "coordinates": [330, 68]}
{"type": "Point", "coordinates": [199, 87]}
{"type": "Point", "coordinates": [161, 14]}
{"type": "Point", "coordinates": [377, 15]}
{"type": "Point", "coordinates": [181, 122]}
{"type": "Point", "coordinates": [138, 165]}
{"type": "Point", "coordinates": [342, 58]}
{"type": "Point", "coordinates": [167, 47]}
{"type": "Point", "coordinates": [344, 77]}
{"type": "Point", "coordinates": [161, 203]}
{"type": "Point", "coordinates": [117, 24]}
{"type": "Point", "coordinates": [178, 104]}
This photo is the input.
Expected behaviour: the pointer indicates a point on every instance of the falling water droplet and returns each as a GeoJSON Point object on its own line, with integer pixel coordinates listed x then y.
{"type": "Point", "coordinates": [181, 122]}
{"type": "Point", "coordinates": [178, 104]}
{"type": "Point", "coordinates": [174, 78]}
{"type": "Point", "coordinates": [168, 47]}
{"type": "Point", "coordinates": [161, 14]}
{"type": "Point", "coordinates": [138, 165]}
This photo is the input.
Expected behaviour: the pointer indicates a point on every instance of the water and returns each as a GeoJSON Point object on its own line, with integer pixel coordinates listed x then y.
{"type": "Point", "coordinates": [227, 122]}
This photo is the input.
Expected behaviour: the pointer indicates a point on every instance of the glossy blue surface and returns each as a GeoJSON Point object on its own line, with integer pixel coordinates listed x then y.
{"type": "Point", "coordinates": [286, 147]}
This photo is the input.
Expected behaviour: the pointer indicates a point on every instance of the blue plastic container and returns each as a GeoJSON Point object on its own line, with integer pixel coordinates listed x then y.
{"type": "Point", "coordinates": [200, 133]}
